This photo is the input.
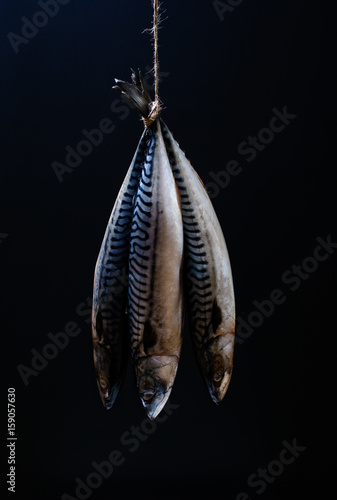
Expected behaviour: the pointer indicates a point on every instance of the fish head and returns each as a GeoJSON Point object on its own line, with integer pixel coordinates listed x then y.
{"type": "Point", "coordinates": [218, 365]}
{"type": "Point", "coordinates": [155, 377]}
{"type": "Point", "coordinates": [105, 376]}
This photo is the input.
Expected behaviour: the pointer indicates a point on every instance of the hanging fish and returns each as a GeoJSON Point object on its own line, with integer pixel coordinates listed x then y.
{"type": "Point", "coordinates": [208, 277]}
{"type": "Point", "coordinates": [155, 279]}
{"type": "Point", "coordinates": [162, 218]}
{"type": "Point", "coordinates": [109, 318]}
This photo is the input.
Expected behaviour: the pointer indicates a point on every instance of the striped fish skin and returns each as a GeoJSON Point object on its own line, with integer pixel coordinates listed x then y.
{"type": "Point", "coordinates": [155, 279]}
{"type": "Point", "coordinates": [208, 276]}
{"type": "Point", "coordinates": [109, 317]}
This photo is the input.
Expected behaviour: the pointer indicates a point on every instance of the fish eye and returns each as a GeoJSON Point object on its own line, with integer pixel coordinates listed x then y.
{"type": "Point", "coordinates": [147, 395]}
{"type": "Point", "coordinates": [217, 376]}
{"type": "Point", "coordinates": [103, 383]}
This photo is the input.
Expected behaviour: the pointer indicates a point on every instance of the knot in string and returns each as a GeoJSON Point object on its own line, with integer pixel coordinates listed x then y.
{"type": "Point", "coordinates": [153, 115]}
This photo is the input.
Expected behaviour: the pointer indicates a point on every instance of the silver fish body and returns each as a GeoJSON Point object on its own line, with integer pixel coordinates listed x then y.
{"type": "Point", "coordinates": [155, 279]}
{"type": "Point", "coordinates": [208, 276]}
{"type": "Point", "coordinates": [109, 317]}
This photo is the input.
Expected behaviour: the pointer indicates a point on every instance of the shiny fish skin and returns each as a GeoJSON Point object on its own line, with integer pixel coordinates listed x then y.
{"type": "Point", "coordinates": [109, 317]}
{"type": "Point", "coordinates": [155, 279]}
{"type": "Point", "coordinates": [208, 277]}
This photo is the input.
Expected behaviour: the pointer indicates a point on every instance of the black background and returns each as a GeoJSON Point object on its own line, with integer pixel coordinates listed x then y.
{"type": "Point", "coordinates": [225, 77]}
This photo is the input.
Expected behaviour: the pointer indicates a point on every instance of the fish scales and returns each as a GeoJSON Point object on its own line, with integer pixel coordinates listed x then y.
{"type": "Point", "coordinates": [155, 281]}
{"type": "Point", "coordinates": [208, 276]}
{"type": "Point", "coordinates": [109, 319]}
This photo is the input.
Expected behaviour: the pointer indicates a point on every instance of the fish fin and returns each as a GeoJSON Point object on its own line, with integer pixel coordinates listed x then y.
{"type": "Point", "coordinates": [135, 93]}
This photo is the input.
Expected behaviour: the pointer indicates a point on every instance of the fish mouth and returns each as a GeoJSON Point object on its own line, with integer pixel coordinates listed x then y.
{"type": "Point", "coordinates": [220, 366]}
{"type": "Point", "coordinates": [155, 375]}
{"type": "Point", "coordinates": [153, 396]}
{"type": "Point", "coordinates": [107, 401]}
{"type": "Point", "coordinates": [218, 385]}
{"type": "Point", "coordinates": [107, 395]}
{"type": "Point", "coordinates": [109, 373]}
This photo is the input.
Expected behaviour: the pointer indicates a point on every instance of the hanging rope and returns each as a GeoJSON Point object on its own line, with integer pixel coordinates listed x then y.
{"type": "Point", "coordinates": [136, 93]}
{"type": "Point", "coordinates": [155, 105]}
{"type": "Point", "coordinates": [155, 38]}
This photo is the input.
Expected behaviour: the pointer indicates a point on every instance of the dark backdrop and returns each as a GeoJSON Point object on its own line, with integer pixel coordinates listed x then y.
{"type": "Point", "coordinates": [225, 73]}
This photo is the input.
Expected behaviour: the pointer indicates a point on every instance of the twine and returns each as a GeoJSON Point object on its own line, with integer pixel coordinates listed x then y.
{"type": "Point", "coordinates": [155, 105]}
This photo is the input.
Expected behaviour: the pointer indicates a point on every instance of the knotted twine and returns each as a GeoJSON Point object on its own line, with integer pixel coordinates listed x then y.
{"type": "Point", "coordinates": [136, 93]}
